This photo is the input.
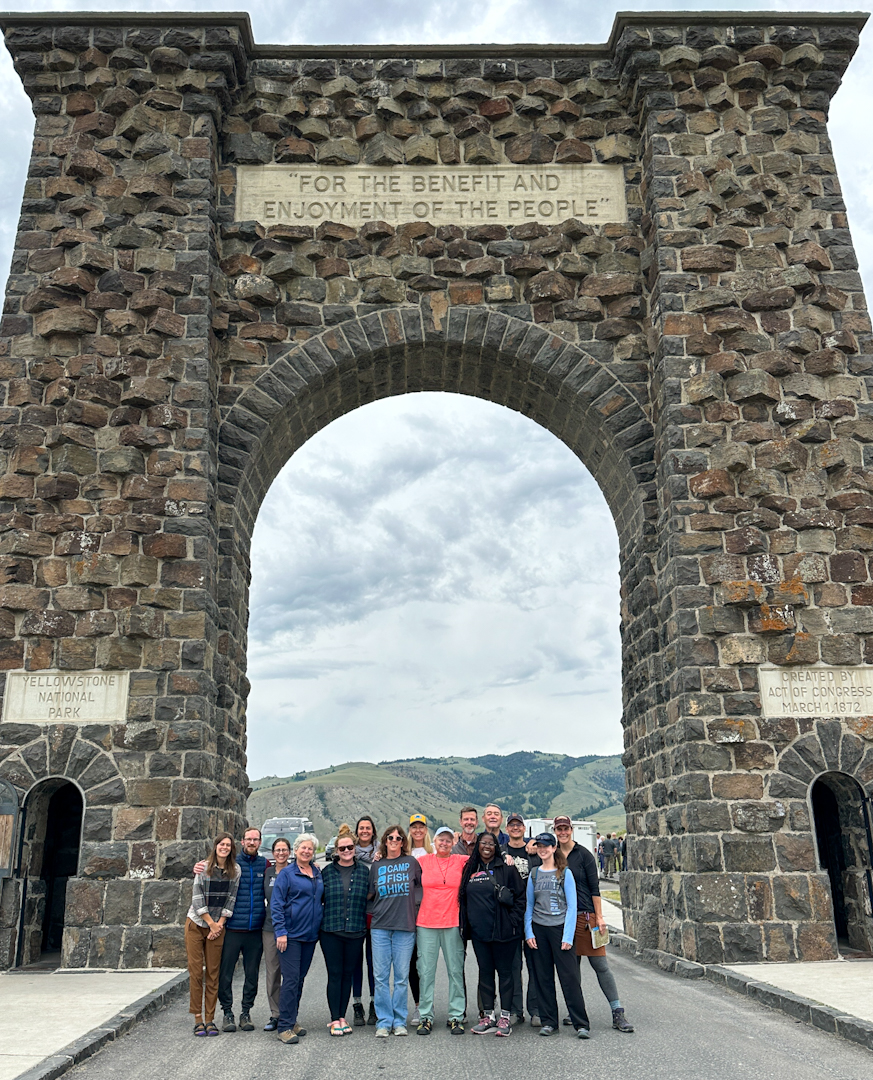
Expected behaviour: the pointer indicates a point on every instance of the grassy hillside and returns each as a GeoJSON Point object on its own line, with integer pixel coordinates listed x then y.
{"type": "Point", "coordinates": [536, 785]}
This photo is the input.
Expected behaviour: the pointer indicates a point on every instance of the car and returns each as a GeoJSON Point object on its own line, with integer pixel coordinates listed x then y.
{"type": "Point", "coordinates": [330, 848]}
{"type": "Point", "coordinates": [273, 828]}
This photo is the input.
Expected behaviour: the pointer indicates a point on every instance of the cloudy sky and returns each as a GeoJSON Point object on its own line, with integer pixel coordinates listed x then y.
{"type": "Point", "coordinates": [435, 574]}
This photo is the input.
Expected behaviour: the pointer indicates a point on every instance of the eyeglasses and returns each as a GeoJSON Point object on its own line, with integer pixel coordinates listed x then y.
{"type": "Point", "coordinates": [346, 847]}
{"type": "Point", "coordinates": [395, 839]}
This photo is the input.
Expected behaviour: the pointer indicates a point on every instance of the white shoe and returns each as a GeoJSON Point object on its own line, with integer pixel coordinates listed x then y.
{"type": "Point", "coordinates": [415, 1019]}
{"type": "Point", "coordinates": [382, 1033]}
{"type": "Point", "coordinates": [535, 1021]}
{"type": "Point", "coordinates": [400, 1031]}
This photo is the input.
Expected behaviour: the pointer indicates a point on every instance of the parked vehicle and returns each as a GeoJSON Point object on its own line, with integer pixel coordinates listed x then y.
{"type": "Point", "coordinates": [330, 848]}
{"type": "Point", "coordinates": [584, 832]}
{"type": "Point", "coordinates": [289, 827]}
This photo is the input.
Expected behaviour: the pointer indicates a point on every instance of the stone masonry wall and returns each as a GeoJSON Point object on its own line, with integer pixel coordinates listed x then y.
{"type": "Point", "coordinates": [708, 360]}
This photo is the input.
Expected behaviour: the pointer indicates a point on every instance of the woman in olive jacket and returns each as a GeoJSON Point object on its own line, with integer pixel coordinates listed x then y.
{"type": "Point", "coordinates": [492, 901]}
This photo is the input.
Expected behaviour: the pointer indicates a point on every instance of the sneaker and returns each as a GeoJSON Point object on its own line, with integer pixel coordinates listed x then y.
{"type": "Point", "coordinates": [504, 1028]}
{"type": "Point", "coordinates": [535, 1021]}
{"type": "Point", "coordinates": [299, 1031]}
{"type": "Point", "coordinates": [371, 1018]}
{"type": "Point", "coordinates": [456, 1027]}
{"type": "Point", "coordinates": [382, 1033]}
{"type": "Point", "coordinates": [583, 1033]}
{"type": "Point", "coordinates": [245, 1022]}
{"type": "Point", "coordinates": [360, 1020]}
{"type": "Point", "coordinates": [547, 1029]}
{"type": "Point", "coordinates": [228, 1024]}
{"type": "Point", "coordinates": [425, 1027]}
{"type": "Point", "coordinates": [620, 1021]}
{"type": "Point", "coordinates": [271, 1024]}
{"type": "Point", "coordinates": [486, 1024]}
{"type": "Point", "coordinates": [516, 1018]}
{"type": "Point", "coordinates": [567, 1022]}
{"type": "Point", "coordinates": [287, 1037]}
{"type": "Point", "coordinates": [415, 1019]}
{"type": "Point", "coordinates": [400, 1030]}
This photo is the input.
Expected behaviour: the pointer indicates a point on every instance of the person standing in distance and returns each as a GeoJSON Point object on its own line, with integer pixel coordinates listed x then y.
{"type": "Point", "coordinates": [589, 913]}
{"type": "Point", "coordinates": [242, 933]}
{"type": "Point", "coordinates": [522, 859]}
{"type": "Point", "coordinates": [465, 843]}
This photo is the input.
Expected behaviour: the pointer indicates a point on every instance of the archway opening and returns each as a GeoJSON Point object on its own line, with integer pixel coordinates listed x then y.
{"type": "Point", "coordinates": [842, 840]}
{"type": "Point", "coordinates": [50, 857]}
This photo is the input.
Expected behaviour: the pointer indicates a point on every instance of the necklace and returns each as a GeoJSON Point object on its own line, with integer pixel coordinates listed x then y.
{"type": "Point", "coordinates": [448, 863]}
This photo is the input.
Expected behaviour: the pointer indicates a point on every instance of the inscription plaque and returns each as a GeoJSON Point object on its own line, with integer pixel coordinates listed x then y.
{"type": "Point", "coordinates": [831, 691]}
{"type": "Point", "coordinates": [65, 697]}
{"type": "Point", "coordinates": [462, 195]}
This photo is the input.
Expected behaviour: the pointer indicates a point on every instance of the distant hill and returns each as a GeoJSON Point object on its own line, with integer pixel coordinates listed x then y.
{"type": "Point", "coordinates": [536, 785]}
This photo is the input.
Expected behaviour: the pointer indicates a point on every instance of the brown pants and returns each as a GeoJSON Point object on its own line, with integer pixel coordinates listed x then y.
{"type": "Point", "coordinates": [202, 952]}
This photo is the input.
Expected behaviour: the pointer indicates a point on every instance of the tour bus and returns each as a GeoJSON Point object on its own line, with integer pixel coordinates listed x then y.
{"type": "Point", "coordinates": [584, 832]}
{"type": "Point", "coordinates": [289, 827]}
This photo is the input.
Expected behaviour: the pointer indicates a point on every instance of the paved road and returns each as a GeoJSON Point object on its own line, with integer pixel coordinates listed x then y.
{"type": "Point", "coordinates": [685, 1031]}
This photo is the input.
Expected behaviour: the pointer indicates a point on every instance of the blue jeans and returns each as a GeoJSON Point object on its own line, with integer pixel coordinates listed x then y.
{"type": "Point", "coordinates": [391, 948]}
{"type": "Point", "coordinates": [294, 961]}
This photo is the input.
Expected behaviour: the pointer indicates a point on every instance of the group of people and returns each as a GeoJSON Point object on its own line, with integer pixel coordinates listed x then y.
{"type": "Point", "coordinates": [399, 901]}
{"type": "Point", "coordinates": [611, 853]}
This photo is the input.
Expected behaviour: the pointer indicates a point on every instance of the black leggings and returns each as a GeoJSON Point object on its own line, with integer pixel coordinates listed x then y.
{"type": "Point", "coordinates": [341, 954]}
{"type": "Point", "coordinates": [414, 985]}
{"type": "Point", "coordinates": [494, 956]}
{"type": "Point", "coordinates": [549, 957]}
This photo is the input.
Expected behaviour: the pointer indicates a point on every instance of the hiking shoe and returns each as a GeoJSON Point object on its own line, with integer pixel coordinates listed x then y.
{"type": "Point", "coordinates": [535, 1021]}
{"type": "Point", "coordinates": [360, 1020]}
{"type": "Point", "coordinates": [271, 1024]}
{"type": "Point", "coordinates": [400, 1030]}
{"type": "Point", "coordinates": [228, 1024]}
{"type": "Point", "coordinates": [456, 1027]}
{"type": "Point", "coordinates": [583, 1033]}
{"type": "Point", "coordinates": [299, 1031]}
{"type": "Point", "coordinates": [383, 1033]}
{"type": "Point", "coordinates": [620, 1021]}
{"type": "Point", "coordinates": [547, 1029]}
{"type": "Point", "coordinates": [245, 1022]}
{"type": "Point", "coordinates": [504, 1028]}
{"type": "Point", "coordinates": [288, 1037]}
{"type": "Point", "coordinates": [371, 1018]}
{"type": "Point", "coordinates": [425, 1027]}
{"type": "Point", "coordinates": [486, 1024]}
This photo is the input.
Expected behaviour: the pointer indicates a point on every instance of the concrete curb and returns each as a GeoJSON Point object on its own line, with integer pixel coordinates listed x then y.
{"type": "Point", "coordinates": [96, 1039]}
{"type": "Point", "coordinates": [805, 1010]}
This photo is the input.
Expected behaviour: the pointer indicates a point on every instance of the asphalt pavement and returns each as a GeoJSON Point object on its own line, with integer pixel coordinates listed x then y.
{"type": "Point", "coordinates": [685, 1030]}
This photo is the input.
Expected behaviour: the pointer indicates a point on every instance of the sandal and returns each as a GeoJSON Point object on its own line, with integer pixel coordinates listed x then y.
{"type": "Point", "coordinates": [336, 1028]}
{"type": "Point", "coordinates": [346, 1029]}
{"type": "Point", "coordinates": [211, 1029]}
{"type": "Point", "coordinates": [200, 1029]}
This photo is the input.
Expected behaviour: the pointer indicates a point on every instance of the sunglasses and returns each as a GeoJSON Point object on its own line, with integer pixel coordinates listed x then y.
{"type": "Point", "coordinates": [395, 839]}
{"type": "Point", "coordinates": [346, 847]}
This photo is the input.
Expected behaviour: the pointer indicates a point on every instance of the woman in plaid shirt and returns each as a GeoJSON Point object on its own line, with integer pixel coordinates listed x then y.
{"type": "Point", "coordinates": [212, 904]}
{"type": "Point", "coordinates": [343, 927]}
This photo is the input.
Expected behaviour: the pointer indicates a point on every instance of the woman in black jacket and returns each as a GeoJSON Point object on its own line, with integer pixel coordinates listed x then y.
{"type": "Point", "coordinates": [492, 902]}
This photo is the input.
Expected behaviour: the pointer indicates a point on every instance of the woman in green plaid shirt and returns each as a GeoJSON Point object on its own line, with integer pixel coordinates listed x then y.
{"type": "Point", "coordinates": [343, 927]}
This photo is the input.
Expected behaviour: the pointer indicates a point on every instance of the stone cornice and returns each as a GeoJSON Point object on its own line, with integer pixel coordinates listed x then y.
{"type": "Point", "coordinates": [623, 20]}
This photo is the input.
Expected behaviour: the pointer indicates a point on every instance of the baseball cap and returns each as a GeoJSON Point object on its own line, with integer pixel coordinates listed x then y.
{"type": "Point", "coordinates": [515, 817]}
{"type": "Point", "coordinates": [546, 838]}
{"type": "Point", "coordinates": [417, 817]}
{"type": "Point", "coordinates": [562, 820]}
{"type": "Point", "coordinates": [444, 829]}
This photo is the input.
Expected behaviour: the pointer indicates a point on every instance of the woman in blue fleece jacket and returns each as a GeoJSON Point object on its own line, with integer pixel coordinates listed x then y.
{"type": "Point", "coordinates": [296, 908]}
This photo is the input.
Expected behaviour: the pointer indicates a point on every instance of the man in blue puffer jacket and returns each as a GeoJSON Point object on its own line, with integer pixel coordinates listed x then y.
{"type": "Point", "coordinates": [242, 934]}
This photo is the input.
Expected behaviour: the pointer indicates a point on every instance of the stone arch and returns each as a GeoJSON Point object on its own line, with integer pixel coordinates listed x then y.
{"type": "Point", "coordinates": [485, 354]}
{"type": "Point", "coordinates": [61, 752]}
